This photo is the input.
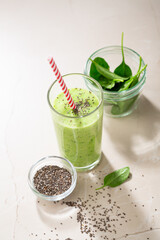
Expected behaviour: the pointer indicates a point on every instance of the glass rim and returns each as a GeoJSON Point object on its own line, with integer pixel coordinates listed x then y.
{"type": "Point", "coordinates": [53, 197]}
{"type": "Point", "coordinates": [130, 90]}
{"type": "Point", "coordinates": [78, 117]}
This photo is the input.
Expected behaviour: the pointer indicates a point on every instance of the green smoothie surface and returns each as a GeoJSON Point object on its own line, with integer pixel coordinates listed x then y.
{"type": "Point", "coordinates": [79, 137]}
{"type": "Point", "coordinates": [85, 101]}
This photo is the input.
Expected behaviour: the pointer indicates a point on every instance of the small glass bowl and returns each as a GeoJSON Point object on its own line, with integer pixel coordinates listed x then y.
{"type": "Point", "coordinates": [56, 161]}
{"type": "Point", "coordinates": [120, 104]}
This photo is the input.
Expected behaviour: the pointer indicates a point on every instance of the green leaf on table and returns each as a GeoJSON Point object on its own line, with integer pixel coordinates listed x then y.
{"type": "Point", "coordinates": [116, 178]}
{"type": "Point", "coordinates": [93, 70]}
{"type": "Point", "coordinates": [106, 72]}
{"type": "Point", "coordinates": [123, 69]}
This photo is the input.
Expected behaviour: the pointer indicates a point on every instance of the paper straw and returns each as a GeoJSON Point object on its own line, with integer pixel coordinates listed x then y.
{"type": "Point", "coordinates": [62, 83]}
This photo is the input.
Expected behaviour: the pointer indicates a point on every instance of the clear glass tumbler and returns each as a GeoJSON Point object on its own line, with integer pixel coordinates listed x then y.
{"type": "Point", "coordinates": [120, 104]}
{"type": "Point", "coordinates": [79, 137]}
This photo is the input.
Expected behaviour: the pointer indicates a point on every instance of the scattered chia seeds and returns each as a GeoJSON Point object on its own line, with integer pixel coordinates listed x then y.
{"type": "Point", "coordinates": [52, 180]}
{"type": "Point", "coordinates": [100, 218]}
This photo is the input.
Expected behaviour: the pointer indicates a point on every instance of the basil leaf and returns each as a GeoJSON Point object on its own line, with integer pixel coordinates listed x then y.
{"type": "Point", "coordinates": [93, 70]}
{"type": "Point", "coordinates": [116, 178]}
{"type": "Point", "coordinates": [123, 69]}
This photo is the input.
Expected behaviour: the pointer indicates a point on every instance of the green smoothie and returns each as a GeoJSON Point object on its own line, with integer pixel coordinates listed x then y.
{"type": "Point", "coordinates": [79, 132]}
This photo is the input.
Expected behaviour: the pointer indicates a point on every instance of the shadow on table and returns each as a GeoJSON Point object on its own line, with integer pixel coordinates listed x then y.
{"type": "Point", "coordinates": [137, 136]}
{"type": "Point", "coordinates": [51, 212]}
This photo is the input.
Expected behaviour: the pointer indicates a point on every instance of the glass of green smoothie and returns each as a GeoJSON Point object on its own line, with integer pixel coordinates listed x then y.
{"type": "Point", "coordinates": [79, 131]}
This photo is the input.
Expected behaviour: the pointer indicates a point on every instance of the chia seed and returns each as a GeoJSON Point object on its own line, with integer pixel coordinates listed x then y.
{"type": "Point", "coordinates": [99, 220]}
{"type": "Point", "coordinates": [81, 106]}
{"type": "Point", "coordinates": [52, 180]}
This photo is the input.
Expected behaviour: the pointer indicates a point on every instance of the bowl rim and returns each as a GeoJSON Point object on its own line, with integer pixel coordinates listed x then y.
{"type": "Point", "coordinates": [52, 197]}
{"type": "Point", "coordinates": [130, 90]}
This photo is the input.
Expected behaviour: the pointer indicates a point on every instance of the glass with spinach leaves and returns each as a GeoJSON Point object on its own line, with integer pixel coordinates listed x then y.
{"type": "Point", "coordinates": [122, 73]}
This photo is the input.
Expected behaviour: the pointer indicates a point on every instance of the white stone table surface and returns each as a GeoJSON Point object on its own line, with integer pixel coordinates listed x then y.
{"type": "Point", "coordinates": [70, 30]}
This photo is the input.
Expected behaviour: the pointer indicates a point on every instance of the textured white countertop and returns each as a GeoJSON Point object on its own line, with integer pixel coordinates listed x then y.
{"type": "Point", "coordinates": [30, 31]}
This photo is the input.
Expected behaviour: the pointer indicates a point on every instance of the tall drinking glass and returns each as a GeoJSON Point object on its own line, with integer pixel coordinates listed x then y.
{"type": "Point", "coordinates": [79, 137]}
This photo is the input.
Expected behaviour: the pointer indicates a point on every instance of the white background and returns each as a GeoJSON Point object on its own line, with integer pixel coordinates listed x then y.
{"type": "Point", "coordinates": [30, 32]}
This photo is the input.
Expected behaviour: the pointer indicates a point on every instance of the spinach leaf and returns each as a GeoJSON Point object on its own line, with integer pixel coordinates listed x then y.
{"type": "Point", "coordinates": [117, 86]}
{"type": "Point", "coordinates": [108, 83]}
{"type": "Point", "coordinates": [93, 70]}
{"type": "Point", "coordinates": [106, 72]}
{"type": "Point", "coordinates": [135, 81]}
{"type": "Point", "coordinates": [123, 106]}
{"type": "Point", "coordinates": [116, 178]}
{"type": "Point", "coordinates": [123, 69]}
{"type": "Point", "coordinates": [127, 83]}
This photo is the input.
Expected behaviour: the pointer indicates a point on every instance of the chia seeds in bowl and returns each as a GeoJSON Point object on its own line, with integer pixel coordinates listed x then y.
{"type": "Point", "coordinates": [52, 178]}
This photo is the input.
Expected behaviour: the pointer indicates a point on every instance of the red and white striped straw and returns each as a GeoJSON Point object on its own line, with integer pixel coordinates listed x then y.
{"type": "Point", "coordinates": [62, 83]}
